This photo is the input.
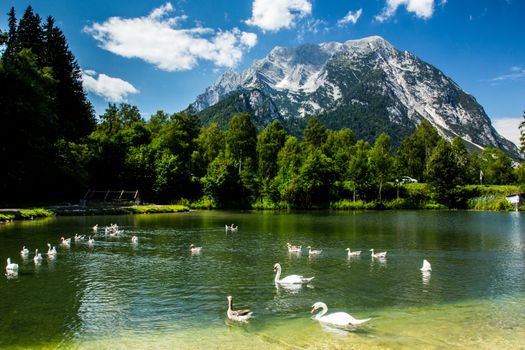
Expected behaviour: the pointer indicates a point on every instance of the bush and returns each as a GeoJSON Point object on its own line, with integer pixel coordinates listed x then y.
{"type": "Point", "coordinates": [204, 203]}
{"type": "Point", "coordinates": [268, 204]}
{"type": "Point", "coordinates": [490, 202]}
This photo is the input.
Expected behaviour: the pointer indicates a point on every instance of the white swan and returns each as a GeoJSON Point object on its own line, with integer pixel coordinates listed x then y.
{"type": "Point", "coordinates": [24, 252]}
{"type": "Point", "coordinates": [134, 239]}
{"type": "Point", "coordinates": [90, 241]}
{"type": "Point", "coordinates": [293, 248]}
{"type": "Point", "coordinates": [38, 257]}
{"type": "Point", "coordinates": [237, 315]}
{"type": "Point", "coordinates": [426, 266]}
{"type": "Point", "coordinates": [380, 255]}
{"type": "Point", "coordinates": [194, 249]}
{"type": "Point", "coordinates": [313, 251]}
{"type": "Point", "coordinates": [232, 227]}
{"type": "Point", "coordinates": [79, 237]}
{"type": "Point", "coordinates": [95, 228]}
{"type": "Point", "coordinates": [65, 242]}
{"type": "Point", "coordinates": [11, 268]}
{"type": "Point", "coordinates": [292, 279]}
{"type": "Point", "coordinates": [353, 253]}
{"type": "Point", "coordinates": [51, 251]}
{"type": "Point", "coordinates": [337, 319]}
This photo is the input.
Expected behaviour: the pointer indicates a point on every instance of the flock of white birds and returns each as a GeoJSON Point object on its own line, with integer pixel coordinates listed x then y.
{"type": "Point", "coordinates": [337, 319]}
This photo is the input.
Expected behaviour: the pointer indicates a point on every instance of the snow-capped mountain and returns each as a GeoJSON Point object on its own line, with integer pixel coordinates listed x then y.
{"type": "Point", "coordinates": [367, 85]}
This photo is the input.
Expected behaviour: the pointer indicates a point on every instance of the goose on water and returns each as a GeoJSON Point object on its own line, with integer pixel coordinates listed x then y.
{"type": "Point", "coordinates": [292, 279]}
{"type": "Point", "coordinates": [237, 315]}
{"type": "Point", "coordinates": [426, 266]}
{"type": "Point", "coordinates": [38, 257]}
{"type": "Point", "coordinates": [51, 251]}
{"type": "Point", "coordinates": [337, 319]}
{"type": "Point", "coordinates": [90, 241]}
{"type": "Point", "coordinates": [380, 255]}
{"type": "Point", "coordinates": [79, 237]}
{"type": "Point", "coordinates": [24, 252]}
{"type": "Point", "coordinates": [134, 239]}
{"type": "Point", "coordinates": [95, 228]}
{"type": "Point", "coordinates": [65, 242]}
{"type": "Point", "coordinates": [293, 248]}
{"type": "Point", "coordinates": [232, 227]}
{"type": "Point", "coordinates": [313, 251]}
{"type": "Point", "coordinates": [11, 268]}
{"type": "Point", "coordinates": [194, 249]}
{"type": "Point", "coordinates": [353, 253]}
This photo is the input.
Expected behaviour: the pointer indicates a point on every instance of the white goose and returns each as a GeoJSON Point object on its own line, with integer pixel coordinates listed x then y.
{"type": "Point", "coordinates": [79, 237]}
{"type": "Point", "coordinates": [51, 251]}
{"type": "Point", "coordinates": [134, 239]}
{"type": "Point", "coordinates": [337, 319]}
{"type": "Point", "coordinates": [353, 253]}
{"type": "Point", "coordinates": [426, 266]}
{"type": "Point", "coordinates": [293, 248]}
{"type": "Point", "coordinates": [24, 252]}
{"type": "Point", "coordinates": [95, 228]}
{"type": "Point", "coordinates": [292, 279]}
{"type": "Point", "coordinates": [66, 243]}
{"type": "Point", "coordinates": [38, 257]}
{"type": "Point", "coordinates": [237, 315]}
{"type": "Point", "coordinates": [90, 241]}
{"type": "Point", "coordinates": [11, 268]}
{"type": "Point", "coordinates": [380, 255]}
{"type": "Point", "coordinates": [194, 249]}
{"type": "Point", "coordinates": [313, 251]}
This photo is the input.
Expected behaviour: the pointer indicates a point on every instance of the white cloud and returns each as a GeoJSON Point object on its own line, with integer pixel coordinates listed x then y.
{"type": "Point", "coordinates": [351, 17]}
{"type": "Point", "coordinates": [517, 73]}
{"type": "Point", "coordinates": [111, 89]}
{"type": "Point", "coordinates": [273, 15]}
{"type": "Point", "coordinates": [421, 8]}
{"type": "Point", "coordinates": [509, 128]}
{"type": "Point", "coordinates": [158, 39]}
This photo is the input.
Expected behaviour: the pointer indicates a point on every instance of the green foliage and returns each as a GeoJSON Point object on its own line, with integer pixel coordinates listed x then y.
{"type": "Point", "coordinates": [25, 214]}
{"type": "Point", "coordinates": [522, 134]}
{"type": "Point", "coordinates": [496, 167]}
{"type": "Point", "coordinates": [490, 202]}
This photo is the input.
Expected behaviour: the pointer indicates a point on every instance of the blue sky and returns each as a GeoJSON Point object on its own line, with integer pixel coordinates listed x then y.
{"type": "Point", "coordinates": [159, 55]}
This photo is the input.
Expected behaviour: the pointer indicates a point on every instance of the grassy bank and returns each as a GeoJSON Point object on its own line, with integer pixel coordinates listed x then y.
{"type": "Point", "coordinates": [24, 214]}
{"type": "Point", "coordinates": [135, 209]}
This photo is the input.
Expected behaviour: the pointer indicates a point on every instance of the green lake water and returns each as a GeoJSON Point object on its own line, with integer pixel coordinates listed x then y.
{"type": "Point", "coordinates": [157, 295]}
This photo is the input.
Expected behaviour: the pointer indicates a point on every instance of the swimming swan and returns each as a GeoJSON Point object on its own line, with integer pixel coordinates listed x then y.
{"type": "Point", "coordinates": [237, 315]}
{"type": "Point", "coordinates": [11, 268]}
{"type": "Point", "coordinates": [51, 251]}
{"type": "Point", "coordinates": [194, 249]}
{"type": "Point", "coordinates": [24, 252]}
{"type": "Point", "coordinates": [337, 319]}
{"type": "Point", "coordinates": [292, 279]}
{"type": "Point", "coordinates": [134, 239]}
{"type": "Point", "coordinates": [426, 266]}
{"type": "Point", "coordinates": [293, 248]}
{"type": "Point", "coordinates": [38, 257]}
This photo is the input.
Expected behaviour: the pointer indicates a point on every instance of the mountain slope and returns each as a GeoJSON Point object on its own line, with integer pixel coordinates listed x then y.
{"type": "Point", "coordinates": [367, 85]}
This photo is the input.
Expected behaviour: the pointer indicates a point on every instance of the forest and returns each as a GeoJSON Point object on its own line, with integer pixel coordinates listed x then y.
{"type": "Point", "coordinates": [54, 148]}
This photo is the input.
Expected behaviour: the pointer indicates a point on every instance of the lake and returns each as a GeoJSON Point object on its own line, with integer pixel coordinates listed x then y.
{"type": "Point", "coordinates": [157, 295]}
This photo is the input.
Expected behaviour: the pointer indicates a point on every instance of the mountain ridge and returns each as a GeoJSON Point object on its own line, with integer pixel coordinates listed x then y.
{"type": "Point", "coordinates": [365, 84]}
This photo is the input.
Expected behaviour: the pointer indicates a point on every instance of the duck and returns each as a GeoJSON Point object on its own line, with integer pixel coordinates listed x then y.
{"type": "Point", "coordinates": [293, 248]}
{"type": "Point", "coordinates": [237, 315]}
{"type": "Point", "coordinates": [24, 252]}
{"type": "Point", "coordinates": [426, 266]}
{"type": "Point", "coordinates": [65, 242]}
{"type": "Point", "coordinates": [292, 279]}
{"type": "Point", "coordinates": [134, 239]}
{"type": "Point", "coordinates": [353, 253]}
{"type": "Point", "coordinates": [51, 251]}
{"type": "Point", "coordinates": [381, 255]}
{"type": "Point", "coordinates": [38, 257]}
{"type": "Point", "coordinates": [194, 249]}
{"type": "Point", "coordinates": [11, 268]}
{"type": "Point", "coordinates": [313, 251]}
{"type": "Point", "coordinates": [337, 319]}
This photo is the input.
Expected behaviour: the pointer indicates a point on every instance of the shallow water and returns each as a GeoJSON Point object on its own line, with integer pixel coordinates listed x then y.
{"type": "Point", "coordinates": [157, 295]}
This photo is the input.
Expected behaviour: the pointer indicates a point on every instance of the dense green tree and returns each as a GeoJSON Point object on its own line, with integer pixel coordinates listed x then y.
{"type": "Point", "coordinates": [358, 170]}
{"type": "Point", "coordinates": [338, 146]}
{"type": "Point", "coordinates": [316, 177]}
{"type": "Point", "coordinates": [208, 145]}
{"type": "Point", "coordinates": [315, 133]}
{"type": "Point", "coordinates": [415, 150]}
{"type": "Point", "coordinates": [222, 182]}
{"type": "Point", "coordinates": [496, 167]}
{"type": "Point", "coordinates": [443, 172]}
{"type": "Point", "coordinates": [241, 140]}
{"type": "Point", "coordinates": [289, 161]}
{"type": "Point", "coordinates": [380, 162]}
{"type": "Point", "coordinates": [522, 134]}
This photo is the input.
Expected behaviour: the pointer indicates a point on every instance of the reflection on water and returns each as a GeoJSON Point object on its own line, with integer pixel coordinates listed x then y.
{"type": "Point", "coordinates": [157, 294]}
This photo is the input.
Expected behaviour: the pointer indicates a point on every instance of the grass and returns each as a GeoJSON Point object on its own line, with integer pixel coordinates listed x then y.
{"type": "Point", "coordinates": [25, 214]}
